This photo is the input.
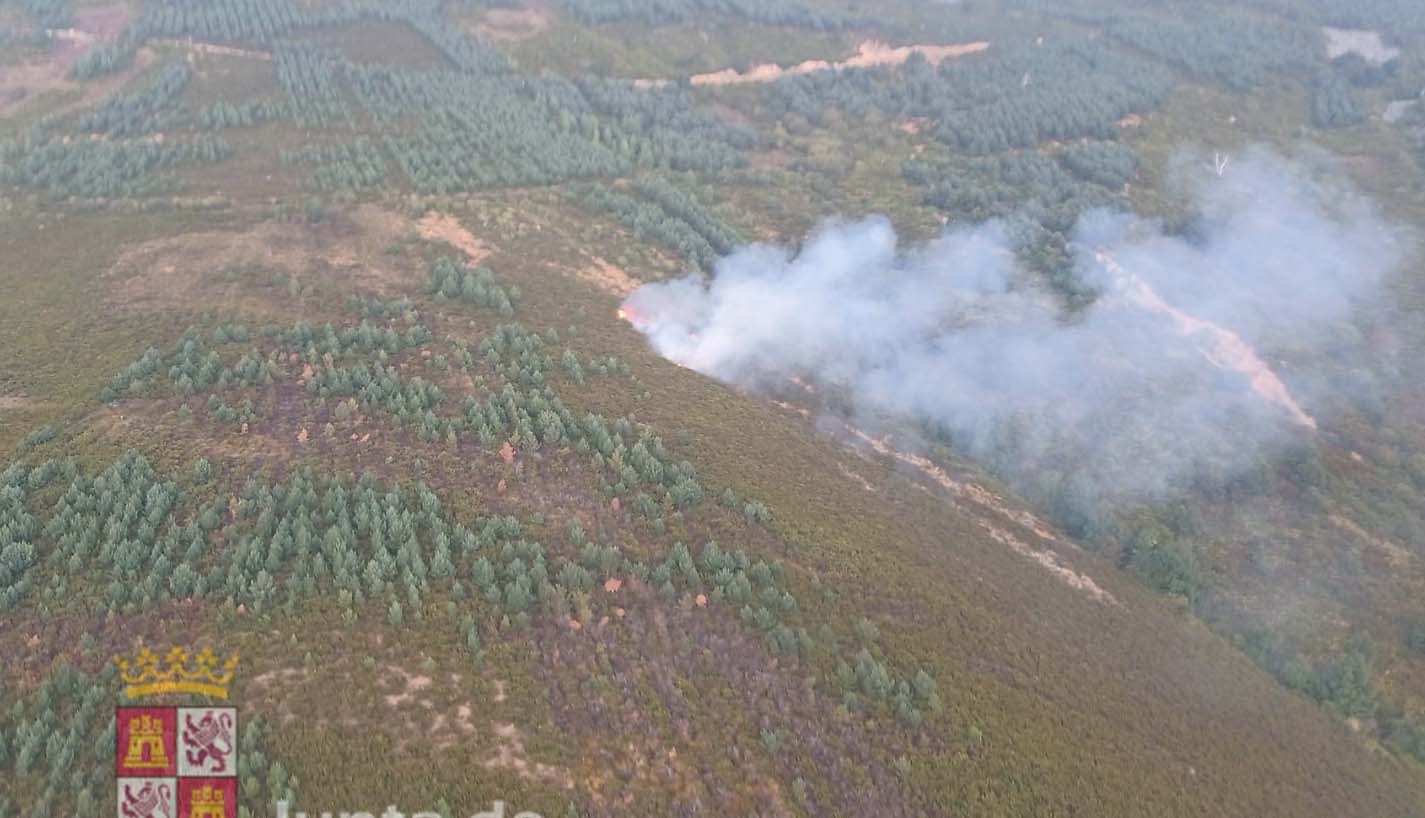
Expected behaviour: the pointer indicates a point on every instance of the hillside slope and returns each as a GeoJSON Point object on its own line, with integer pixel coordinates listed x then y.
{"type": "Point", "coordinates": [311, 350]}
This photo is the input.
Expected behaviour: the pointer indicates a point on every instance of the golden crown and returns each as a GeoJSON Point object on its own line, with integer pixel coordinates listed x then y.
{"type": "Point", "coordinates": [145, 678]}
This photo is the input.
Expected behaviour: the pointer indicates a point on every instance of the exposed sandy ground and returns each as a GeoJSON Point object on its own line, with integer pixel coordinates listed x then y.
{"type": "Point", "coordinates": [93, 24]}
{"type": "Point", "coordinates": [200, 47]}
{"type": "Point", "coordinates": [415, 698]}
{"type": "Point", "coordinates": [607, 277]}
{"type": "Point", "coordinates": [511, 755]}
{"type": "Point", "coordinates": [13, 403]}
{"type": "Point", "coordinates": [447, 711]}
{"type": "Point", "coordinates": [913, 126]}
{"type": "Point", "coordinates": [411, 685]}
{"type": "Point", "coordinates": [194, 268]}
{"type": "Point", "coordinates": [1222, 347]}
{"type": "Point", "coordinates": [868, 54]}
{"type": "Point", "coordinates": [1368, 44]}
{"type": "Point", "coordinates": [437, 226]}
{"type": "Point", "coordinates": [513, 24]}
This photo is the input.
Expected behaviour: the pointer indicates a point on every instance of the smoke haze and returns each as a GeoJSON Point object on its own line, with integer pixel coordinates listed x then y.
{"type": "Point", "coordinates": [1163, 373]}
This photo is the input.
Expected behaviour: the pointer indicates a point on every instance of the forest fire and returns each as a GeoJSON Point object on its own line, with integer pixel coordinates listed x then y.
{"type": "Point", "coordinates": [646, 321]}
{"type": "Point", "coordinates": [635, 319]}
{"type": "Point", "coordinates": [655, 319]}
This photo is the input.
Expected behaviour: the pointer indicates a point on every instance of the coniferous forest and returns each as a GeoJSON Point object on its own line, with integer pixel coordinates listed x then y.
{"type": "Point", "coordinates": [608, 401]}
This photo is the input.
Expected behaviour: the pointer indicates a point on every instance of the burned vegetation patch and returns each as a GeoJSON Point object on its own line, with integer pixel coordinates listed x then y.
{"type": "Point", "coordinates": [692, 715]}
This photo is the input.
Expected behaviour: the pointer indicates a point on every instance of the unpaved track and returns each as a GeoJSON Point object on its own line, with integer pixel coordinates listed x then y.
{"type": "Point", "coordinates": [870, 54]}
{"type": "Point", "coordinates": [215, 49]}
{"type": "Point", "coordinates": [1222, 347]}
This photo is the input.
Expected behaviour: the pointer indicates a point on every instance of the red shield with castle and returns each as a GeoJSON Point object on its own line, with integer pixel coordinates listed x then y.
{"type": "Point", "coordinates": [207, 798]}
{"type": "Point", "coordinates": [147, 742]}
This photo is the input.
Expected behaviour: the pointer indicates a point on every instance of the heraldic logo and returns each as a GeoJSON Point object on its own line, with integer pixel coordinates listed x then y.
{"type": "Point", "coordinates": [176, 762]}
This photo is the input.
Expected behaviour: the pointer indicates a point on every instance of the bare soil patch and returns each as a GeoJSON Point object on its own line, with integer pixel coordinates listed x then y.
{"type": "Point", "coordinates": [15, 403]}
{"type": "Point", "coordinates": [19, 83]}
{"type": "Point", "coordinates": [913, 126]}
{"type": "Point", "coordinates": [1222, 347]}
{"type": "Point", "coordinates": [510, 754]}
{"type": "Point", "coordinates": [608, 277]}
{"type": "Point", "coordinates": [868, 54]}
{"type": "Point", "coordinates": [93, 25]}
{"type": "Point", "coordinates": [215, 49]}
{"type": "Point", "coordinates": [430, 707]}
{"type": "Point", "coordinates": [514, 24]}
{"type": "Point", "coordinates": [437, 226]}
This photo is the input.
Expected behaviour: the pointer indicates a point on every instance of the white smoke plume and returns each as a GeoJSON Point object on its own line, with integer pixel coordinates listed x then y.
{"type": "Point", "coordinates": [1165, 372]}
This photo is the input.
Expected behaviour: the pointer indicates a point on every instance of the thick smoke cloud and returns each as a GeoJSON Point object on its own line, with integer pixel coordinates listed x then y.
{"type": "Point", "coordinates": [1163, 374]}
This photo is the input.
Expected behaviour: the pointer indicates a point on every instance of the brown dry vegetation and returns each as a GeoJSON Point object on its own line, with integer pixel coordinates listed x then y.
{"type": "Point", "coordinates": [49, 73]}
{"type": "Point", "coordinates": [22, 84]}
{"type": "Point", "coordinates": [671, 749]}
{"type": "Point", "coordinates": [264, 269]}
{"type": "Point", "coordinates": [34, 645]}
{"type": "Point", "coordinates": [655, 705]}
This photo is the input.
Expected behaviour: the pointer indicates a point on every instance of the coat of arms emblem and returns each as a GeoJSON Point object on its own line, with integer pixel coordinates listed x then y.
{"type": "Point", "coordinates": [147, 798]}
{"type": "Point", "coordinates": [207, 741]}
{"type": "Point", "coordinates": [176, 762]}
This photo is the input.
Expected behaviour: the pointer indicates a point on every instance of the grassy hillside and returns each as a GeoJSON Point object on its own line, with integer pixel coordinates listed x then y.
{"type": "Point", "coordinates": [311, 353]}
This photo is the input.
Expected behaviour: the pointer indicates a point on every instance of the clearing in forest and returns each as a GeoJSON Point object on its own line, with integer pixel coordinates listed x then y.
{"type": "Point", "coordinates": [50, 71]}
{"type": "Point", "coordinates": [869, 54]}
